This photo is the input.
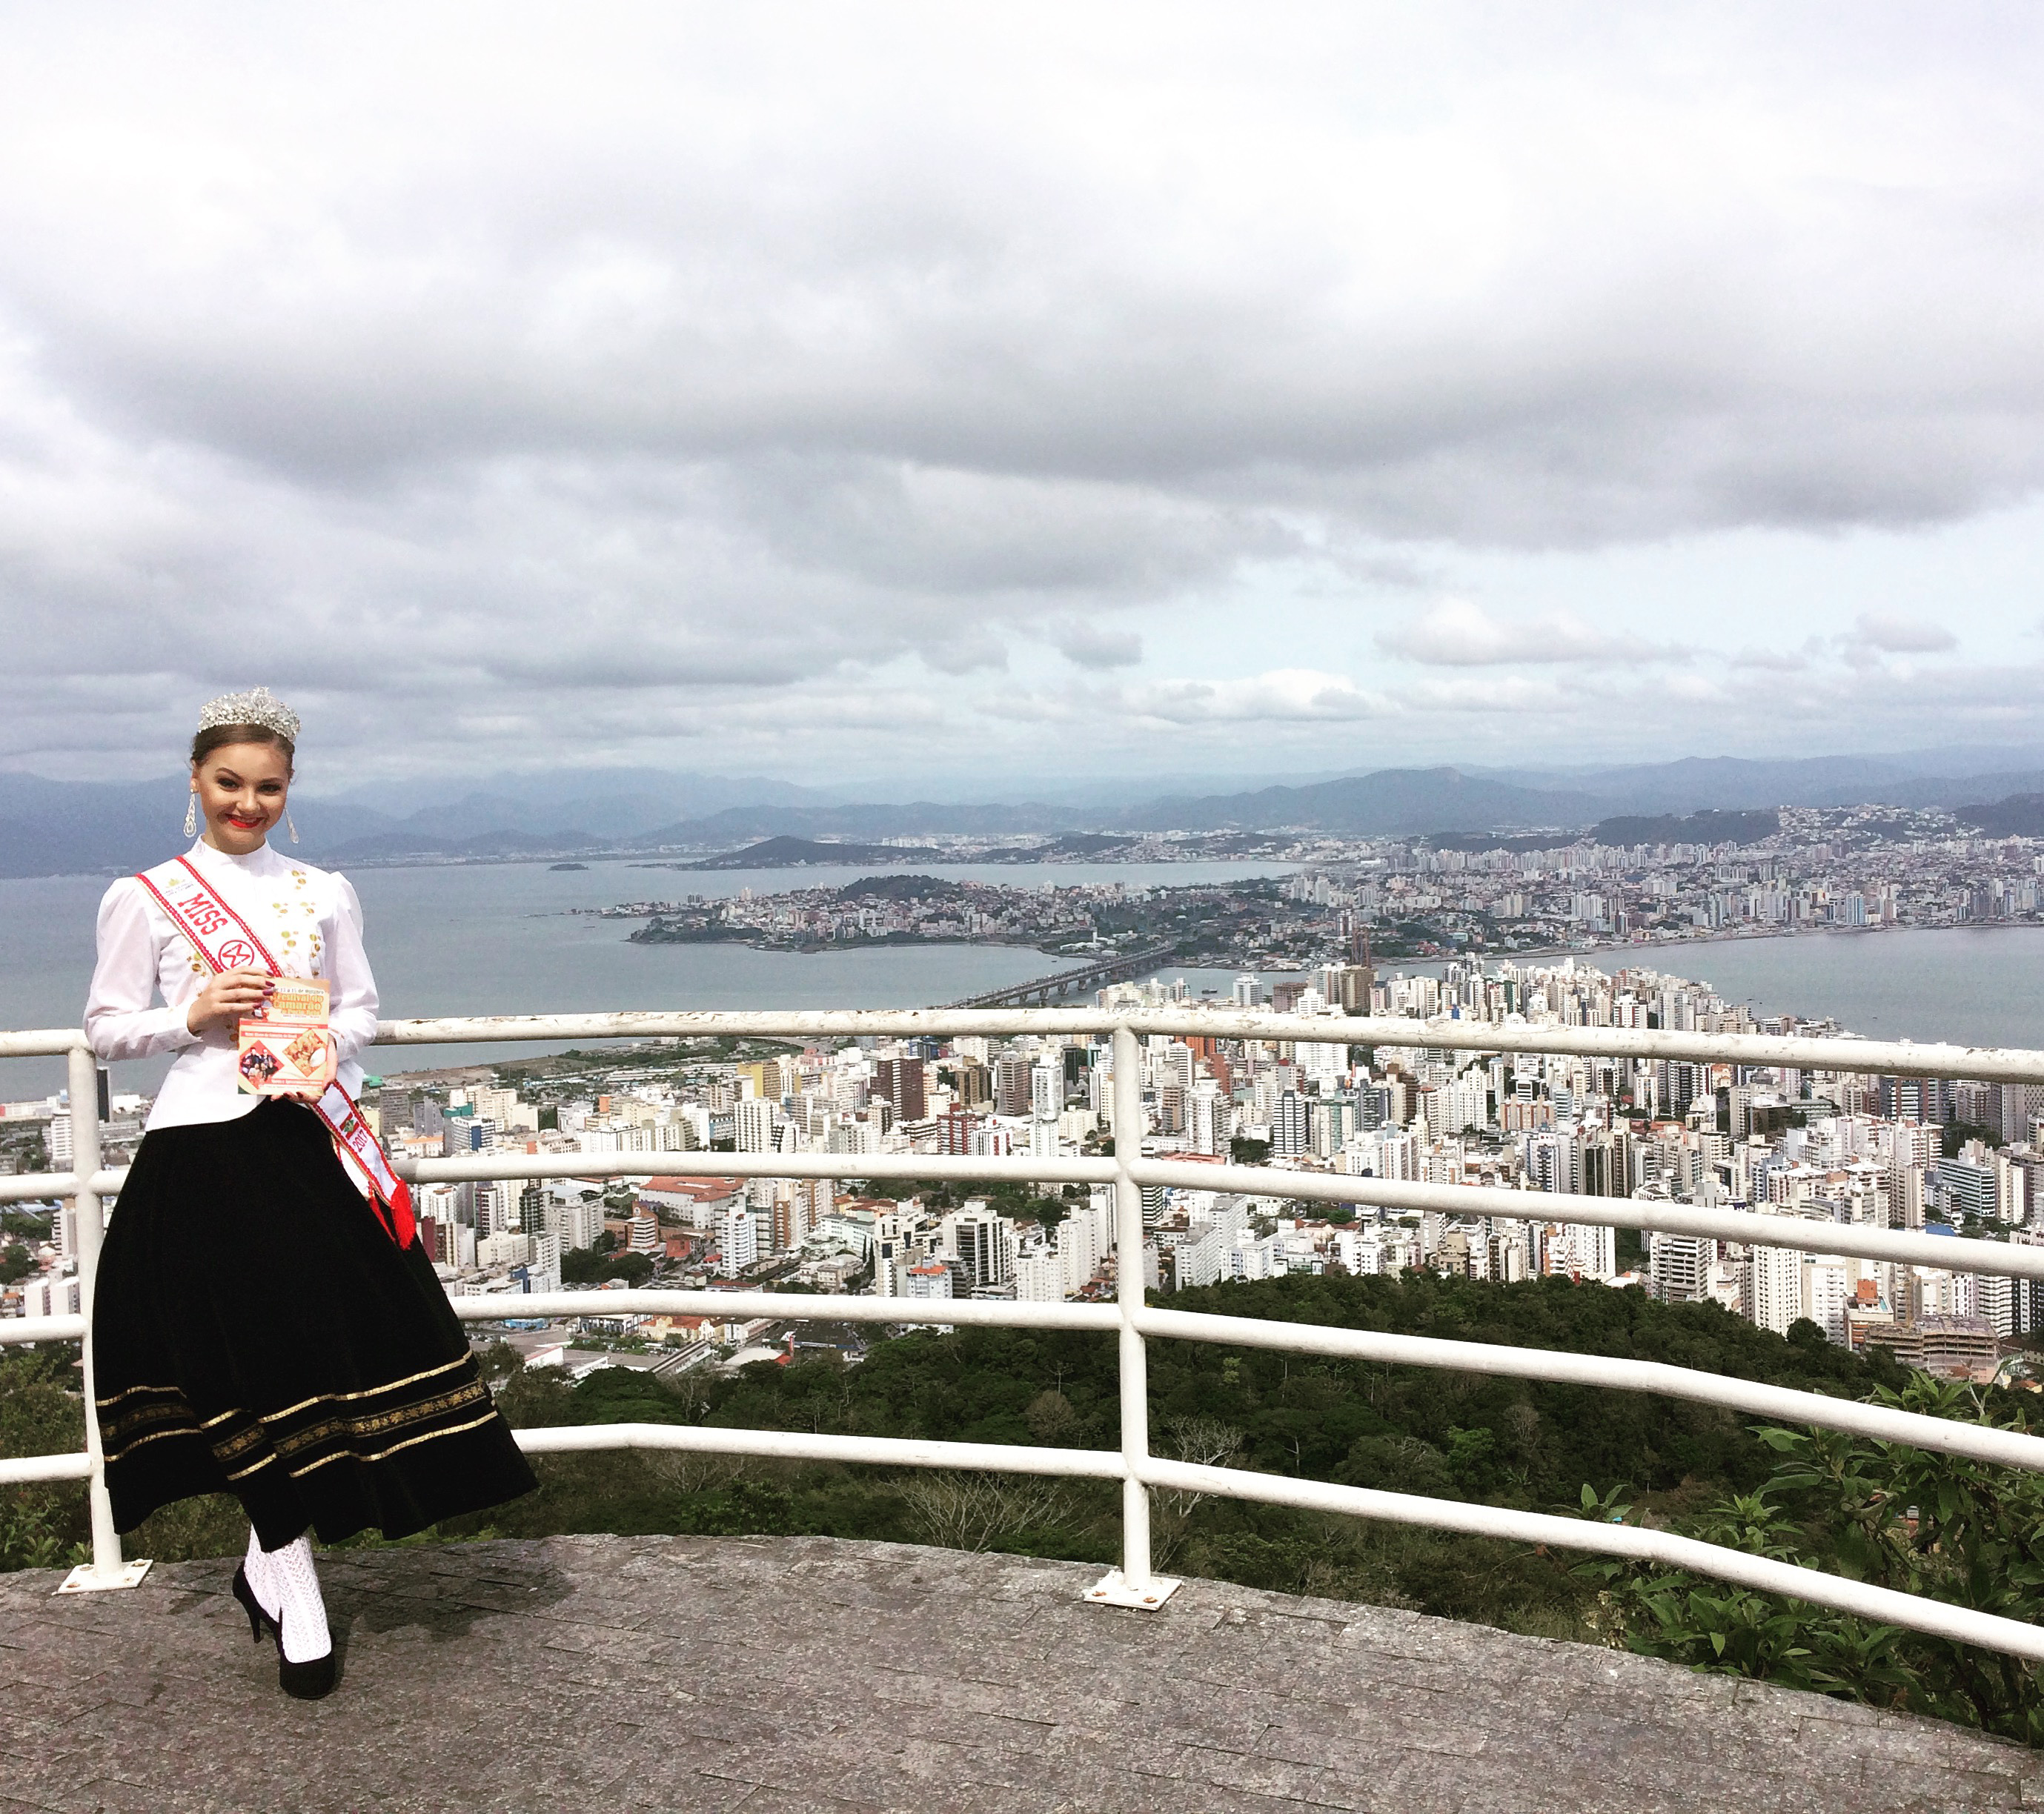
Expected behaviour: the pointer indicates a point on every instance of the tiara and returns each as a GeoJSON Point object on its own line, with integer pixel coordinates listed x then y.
{"type": "Point", "coordinates": [259, 706]}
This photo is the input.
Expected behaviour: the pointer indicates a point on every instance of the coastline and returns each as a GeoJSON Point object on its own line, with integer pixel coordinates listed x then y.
{"type": "Point", "coordinates": [886, 941]}
{"type": "Point", "coordinates": [1735, 939]}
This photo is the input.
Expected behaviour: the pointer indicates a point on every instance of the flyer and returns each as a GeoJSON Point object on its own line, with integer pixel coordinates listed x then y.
{"type": "Point", "coordinates": [289, 1045]}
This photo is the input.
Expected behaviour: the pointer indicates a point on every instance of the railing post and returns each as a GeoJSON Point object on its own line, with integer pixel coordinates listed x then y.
{"type": "Point", "coordinates": [106, 1569]}
{"type": "Point", "coordinates": [1132, 1583]}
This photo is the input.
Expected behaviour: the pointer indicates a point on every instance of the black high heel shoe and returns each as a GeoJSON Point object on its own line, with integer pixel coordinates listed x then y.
{"type": "Point", "coordinates": [313, 1681]}
{"type": "Point", "coordinates": [258, 1619]}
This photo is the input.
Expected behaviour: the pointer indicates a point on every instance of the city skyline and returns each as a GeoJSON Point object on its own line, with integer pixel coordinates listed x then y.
{"type": "Point", "coordinates": [907, 391]}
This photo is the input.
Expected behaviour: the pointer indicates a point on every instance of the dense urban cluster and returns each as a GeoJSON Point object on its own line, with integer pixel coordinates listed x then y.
{"type": "Point", "coordinates": [1799, 869]}
{"type": "Point", "coordinates": [1823, 869]}
{"type": "Point", "coordinates": [1250, 922]}
{"type": "Point", "coordinates": [893, 909]}
{"type": "Point", "coordinates": [1828, 1146]}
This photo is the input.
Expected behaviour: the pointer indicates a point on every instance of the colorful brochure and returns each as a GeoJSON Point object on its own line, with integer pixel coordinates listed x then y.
{"type": "Point", "coordinates": [289, 1045]}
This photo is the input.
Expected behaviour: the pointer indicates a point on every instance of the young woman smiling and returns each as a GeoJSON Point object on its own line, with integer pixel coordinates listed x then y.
{"type": "Point", "coordinates": [266, 1322]}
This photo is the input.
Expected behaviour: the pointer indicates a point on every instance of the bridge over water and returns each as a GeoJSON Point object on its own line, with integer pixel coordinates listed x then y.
{"type": "Point", "coordinates": [1041, 991]}
{"type": "Point", "coordinates": [806, 1676]}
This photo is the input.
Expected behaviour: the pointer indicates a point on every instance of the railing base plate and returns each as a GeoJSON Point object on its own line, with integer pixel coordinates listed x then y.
{"type": "Point", "coordinates": [1113, 1590]}
{"type": "Point", "coordinates": [82, 1579]}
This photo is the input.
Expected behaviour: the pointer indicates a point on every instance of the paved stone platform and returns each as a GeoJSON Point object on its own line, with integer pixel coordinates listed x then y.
{"type": "Point", "coordinates": [772, 1675]}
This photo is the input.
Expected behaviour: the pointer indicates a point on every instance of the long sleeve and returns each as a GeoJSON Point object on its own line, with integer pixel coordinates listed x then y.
{"type": "Point", "coordinates": [351, 1003]}
{"type": "Point", "coordinates": [119, 1020]}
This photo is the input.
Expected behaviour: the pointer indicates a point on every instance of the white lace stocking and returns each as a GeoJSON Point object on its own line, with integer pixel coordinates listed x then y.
{"type": "Point", "coordinates": [255, 1565]}
{"type": "Point", "coordinates": [287, 1586]}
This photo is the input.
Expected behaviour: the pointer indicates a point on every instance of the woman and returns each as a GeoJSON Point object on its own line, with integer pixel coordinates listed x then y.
{"type": "Point", "coordinates": [266, 1322]}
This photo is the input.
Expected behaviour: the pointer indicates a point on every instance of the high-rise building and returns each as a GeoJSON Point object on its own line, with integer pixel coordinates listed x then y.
{"type": "Point", "coordinates": [1210, 1120]}
{"type": "Point", "coordinates": [1322, 1064]}
{"type": "Point", "coordinates": [900, 1081]}
{"type": "Point", "coordinates": [578, 1224]}
{"type": "Point", "coordinates": [1080, 1250]}
{"type": "Point", "coordinates": [1046, 1089]}
{"type": "Point", "coordinates": [1922, 1099]}
{"type": "Point", "coordinates": [738, 1240]}
{"type": "Point", "coordinates": [1012, 1083]}
{"type": "Point", "coordinates": [754, 1120]}
{"type": "Point", "coordinates": [983, 1241]}
{"type": "Point", "coordinates": [1679, 1266]}
{"type": "Point", "coordinates": [1289, 1131]}
{"type": "Point", "coordinates": [1554, 1162]}
{"type": "Point", "coordinates": [1967, 1189]}
{"type": "Point", "coordinates": [1039, 1276]}
{"type": "Point", "coordinates": [1585, 1250]}
{"type": "Point", "coordinates": [1776, 1288]}
{"type": "Point", "coordinates": [532, 1218]}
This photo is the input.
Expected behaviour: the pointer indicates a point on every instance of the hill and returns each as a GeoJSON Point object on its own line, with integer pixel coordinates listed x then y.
{"type": "Point", "coordinates": [56, 827]}
{"type": "Point", "coordinates": [1706, 828]}
{"type": "Point", "coordinates": [2019, 815]}
{"type": "Point", "coordinates": [900, 888]}
{"type": "Point", "coordinates": [803, 853]}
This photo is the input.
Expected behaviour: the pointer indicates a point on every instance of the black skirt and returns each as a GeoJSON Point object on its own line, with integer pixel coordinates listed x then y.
{"type": "Point", "coordinates": [257, 1331]}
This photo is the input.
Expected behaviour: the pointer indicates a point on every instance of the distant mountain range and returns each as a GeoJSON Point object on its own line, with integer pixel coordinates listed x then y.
{"type": "Point", "coordinates": [53, 826]}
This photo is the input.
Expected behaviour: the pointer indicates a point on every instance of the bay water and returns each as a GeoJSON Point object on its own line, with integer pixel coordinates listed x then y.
{"type": "Point", "coordinates": [502, 938]}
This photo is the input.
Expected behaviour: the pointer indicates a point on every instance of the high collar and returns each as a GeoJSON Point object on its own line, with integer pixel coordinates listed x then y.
{"type": "Point", "coordinates": [260, 861]}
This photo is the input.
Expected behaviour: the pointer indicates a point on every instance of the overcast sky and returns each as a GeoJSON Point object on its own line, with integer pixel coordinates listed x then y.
{"type": "Point", "coordinates": [856, 392]}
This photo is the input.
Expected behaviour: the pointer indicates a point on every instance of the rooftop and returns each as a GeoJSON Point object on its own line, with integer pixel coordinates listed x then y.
{"type": "Point", "coordinates": [775, 1674]}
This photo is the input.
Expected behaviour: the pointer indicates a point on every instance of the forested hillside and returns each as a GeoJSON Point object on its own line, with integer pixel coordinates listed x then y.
{"type": "Point", "coordinates": [1449, 1434]}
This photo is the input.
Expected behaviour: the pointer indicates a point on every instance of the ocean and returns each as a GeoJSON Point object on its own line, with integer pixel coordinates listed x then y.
{"type": "Point", "coordinates": [500, 938]}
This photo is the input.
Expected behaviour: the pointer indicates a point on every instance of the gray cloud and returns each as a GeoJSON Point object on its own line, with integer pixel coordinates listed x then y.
{"type": "Point", "coordinates": [1088, 645]}
{"type": "Point", "coordinates": [725, 375]}
{"type": "Point", "coordinates": [1898, 635]}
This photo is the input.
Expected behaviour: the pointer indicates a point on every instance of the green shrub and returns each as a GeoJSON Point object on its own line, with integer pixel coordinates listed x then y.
{"type": "Point", "coordinates": [1963, 1531]}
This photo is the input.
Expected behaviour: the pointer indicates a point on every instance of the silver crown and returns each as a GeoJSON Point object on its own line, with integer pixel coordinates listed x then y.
{"type": "Point", "coordinates": [258, 706]}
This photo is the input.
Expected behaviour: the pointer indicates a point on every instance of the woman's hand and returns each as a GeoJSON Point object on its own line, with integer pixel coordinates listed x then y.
{"type": "Point", "coordinates": [227, 997]}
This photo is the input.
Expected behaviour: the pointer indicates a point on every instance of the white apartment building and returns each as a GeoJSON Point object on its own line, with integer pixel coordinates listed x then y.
{"type": "Point", "coordinates": [738, 1240]}
{"type": "Point", "coordinates": [1039, 1276]}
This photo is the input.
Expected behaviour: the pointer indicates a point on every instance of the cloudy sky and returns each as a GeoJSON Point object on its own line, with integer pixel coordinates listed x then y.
{"type": "Point", "coordinates": [879, 395]}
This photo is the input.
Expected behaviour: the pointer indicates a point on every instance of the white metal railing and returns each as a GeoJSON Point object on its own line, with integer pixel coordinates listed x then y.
{"type": "Point", "coordinates": [1134, 1321]}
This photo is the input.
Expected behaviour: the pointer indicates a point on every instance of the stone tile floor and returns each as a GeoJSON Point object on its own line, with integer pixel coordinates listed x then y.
{"type": "Point", "coordinates": [772, 1675]}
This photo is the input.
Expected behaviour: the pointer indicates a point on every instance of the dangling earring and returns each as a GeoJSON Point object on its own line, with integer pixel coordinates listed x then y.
{"type": "Point", "coordinates": [191, 814]}
{"type": "Point", "coordinates": [289, 826]}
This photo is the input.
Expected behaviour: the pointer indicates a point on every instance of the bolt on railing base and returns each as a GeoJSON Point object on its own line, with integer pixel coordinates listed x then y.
{"type": "Point", "coordinates": [1113, 1590]}
{"type": "Point", "coordinates": [86, 1579]}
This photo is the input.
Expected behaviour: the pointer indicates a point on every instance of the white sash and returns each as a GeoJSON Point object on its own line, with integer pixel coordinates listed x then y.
{"type": "Point", "coordinates": [228, 942]}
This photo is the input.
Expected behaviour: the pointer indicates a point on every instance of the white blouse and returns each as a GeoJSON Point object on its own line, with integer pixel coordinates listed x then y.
{"type": "Point", "coordinates": [311, 921]}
